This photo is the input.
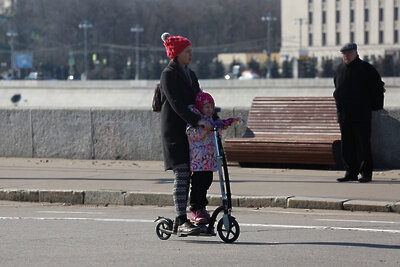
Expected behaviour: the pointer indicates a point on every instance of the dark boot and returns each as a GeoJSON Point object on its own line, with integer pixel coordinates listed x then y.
{"type": "Point", "coordinates": [365, 179]}
{"type": "Point", "coordinates": [347, 177]}
{"type": "Point", "coordinates": [366, 174]}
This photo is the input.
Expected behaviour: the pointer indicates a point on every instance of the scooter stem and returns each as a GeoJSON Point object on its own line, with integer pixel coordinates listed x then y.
{"type": "Point", "coordinates": [220, 173]}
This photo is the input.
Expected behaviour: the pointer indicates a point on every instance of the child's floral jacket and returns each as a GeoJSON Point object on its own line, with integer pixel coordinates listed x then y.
{"type": "Point", "coordinates": [203, 153]}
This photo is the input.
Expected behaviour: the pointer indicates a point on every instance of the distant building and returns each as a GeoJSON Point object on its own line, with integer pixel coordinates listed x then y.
{"type": "Point", "coordinates": [5, 6]}
{"type": "Point", "coordinates": [227, 58]}
{"type": "Point", "coordinates": [318, 28]}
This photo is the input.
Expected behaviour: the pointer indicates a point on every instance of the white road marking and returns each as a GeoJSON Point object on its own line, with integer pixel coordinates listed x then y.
{"type": "Point", "coordinates": [69, 212]}
{"type": "Point", "coordinates": [316, 227]}
{"type": "Point", "coordinates": [75, 219]}
{"type": "Point", "coordinates": [357, 221]}
{"type": "Point", "coordinates": [311, 213]}
{"type": "Point", "coordinates": [320, 227]}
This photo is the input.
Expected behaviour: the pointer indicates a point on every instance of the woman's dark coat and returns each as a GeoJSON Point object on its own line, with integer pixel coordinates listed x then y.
{"type": "Point", "coordinates": [358, 90]}
{"type": "Point", "coordinates": [178, 93]}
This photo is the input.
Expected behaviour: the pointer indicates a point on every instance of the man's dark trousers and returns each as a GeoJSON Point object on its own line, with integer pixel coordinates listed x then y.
{"type": "Point", "coordinates": [356, 149]}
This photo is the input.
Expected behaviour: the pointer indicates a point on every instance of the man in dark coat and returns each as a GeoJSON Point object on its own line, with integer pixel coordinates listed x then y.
{"type": "Point", "coordinates": [358, 90]}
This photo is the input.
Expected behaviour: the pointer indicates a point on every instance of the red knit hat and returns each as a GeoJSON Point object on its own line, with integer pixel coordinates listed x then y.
{"type": "Point", "coordinates": [174, 44]}
{"type": "Point", "coordinates": [203, 98]}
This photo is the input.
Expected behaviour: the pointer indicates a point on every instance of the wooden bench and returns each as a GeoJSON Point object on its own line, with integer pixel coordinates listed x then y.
{"type": "Point", "coordinates": [288, 130]}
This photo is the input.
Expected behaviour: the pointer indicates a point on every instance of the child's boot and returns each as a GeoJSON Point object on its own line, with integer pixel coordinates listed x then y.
{"type": "Point", "coordinates": [200, 216]}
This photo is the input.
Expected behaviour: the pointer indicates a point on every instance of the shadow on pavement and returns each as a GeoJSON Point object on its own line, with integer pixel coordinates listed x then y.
{"type": "Point", "coordinates": [341, 244]}
{"type": "Point", "coordinates": [171, 180]}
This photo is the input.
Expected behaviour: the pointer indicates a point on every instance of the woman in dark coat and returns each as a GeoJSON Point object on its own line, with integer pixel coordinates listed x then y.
{"type": "Point", "coordinates": [179, 87]}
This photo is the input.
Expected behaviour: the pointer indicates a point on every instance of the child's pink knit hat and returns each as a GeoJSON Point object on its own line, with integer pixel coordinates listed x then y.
{"type": "Point", "coordinates": [203, 98]}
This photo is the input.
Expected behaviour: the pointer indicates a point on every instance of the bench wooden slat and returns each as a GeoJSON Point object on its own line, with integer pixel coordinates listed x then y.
{"type": "Point", "coordinates": [269, 141]}
{"type": "Point", "coordinates": [284, 156]}
{"type": "Point", "coordinates": [293, 129]}
{"type": "Point", "coordinates": [287, 130]}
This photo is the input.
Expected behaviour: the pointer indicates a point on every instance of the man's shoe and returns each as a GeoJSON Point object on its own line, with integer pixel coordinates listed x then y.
{"type": "Point", "coordinates": [346, 179]}
{"type": "Point", "coordinates": [365, 179]}
{"type": "Point", "coordinates": [188, 229]}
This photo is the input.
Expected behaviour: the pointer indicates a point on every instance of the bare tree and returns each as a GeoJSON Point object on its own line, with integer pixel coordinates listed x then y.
{"type": "Point", "coordinates": [49, 29]}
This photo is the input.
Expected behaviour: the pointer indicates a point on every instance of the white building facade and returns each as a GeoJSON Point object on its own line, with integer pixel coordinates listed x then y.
{"type": "Point", "coordinates": [5, 5]}
{"type": "Point", "coordinates": [318, 28]}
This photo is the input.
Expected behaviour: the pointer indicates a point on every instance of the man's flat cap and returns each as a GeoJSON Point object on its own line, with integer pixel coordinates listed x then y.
{"type": "Point", "coordinates": [349, 46]}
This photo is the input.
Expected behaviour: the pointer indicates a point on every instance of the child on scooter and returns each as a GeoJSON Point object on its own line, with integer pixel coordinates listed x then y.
{"type": "Point", "coordinates": [203, 156]}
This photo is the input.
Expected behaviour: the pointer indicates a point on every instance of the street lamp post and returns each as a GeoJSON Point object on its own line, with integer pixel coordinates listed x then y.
{"type": "Point", "coordinates": [296, 65]}
{"type": "Point", "coordinates": [300, 20]}
{"type": "Point", "coordinates": [12, 35]}
{"type": "Point", "coordinates": [268, 18]}
{"type": "Point", "coordinates": [137, 29]}
{"type": "Point", "coordinates": [85, 25]}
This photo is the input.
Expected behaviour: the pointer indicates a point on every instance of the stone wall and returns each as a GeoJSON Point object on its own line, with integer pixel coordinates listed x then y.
{"type": "Point", "coordinates": [135, 134]}
{"type": "Point", "coordinates": [113, 119]}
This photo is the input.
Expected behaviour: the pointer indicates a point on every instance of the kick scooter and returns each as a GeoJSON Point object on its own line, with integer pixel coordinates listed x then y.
{"type": "Point", "coordinates": [227, 227]}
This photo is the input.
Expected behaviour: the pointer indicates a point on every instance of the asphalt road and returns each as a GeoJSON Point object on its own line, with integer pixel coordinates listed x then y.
{"type": "Point", "coordinates": [59, 235]}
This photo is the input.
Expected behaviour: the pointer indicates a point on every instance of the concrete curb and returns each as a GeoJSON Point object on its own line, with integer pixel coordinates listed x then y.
{"type": "Point", "coordinates": [364, 205]}
{"type": "Point", "coordinates": [316, 203]}
{"type": "Point", "coordinates": [19, 195]}
{"type": "Point", "coordinates": [105, 197]}
{"type": "Point", "coordinates": [61, 196]}
{"type": "Point", "coordinates": [396, 207]}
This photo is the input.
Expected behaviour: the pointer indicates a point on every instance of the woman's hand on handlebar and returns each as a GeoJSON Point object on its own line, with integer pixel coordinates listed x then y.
{"type": "Point", "coordinates": [205, 124]}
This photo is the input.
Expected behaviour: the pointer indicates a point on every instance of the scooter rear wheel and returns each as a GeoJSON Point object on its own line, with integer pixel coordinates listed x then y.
{"type": "Point", "coordinates": [228, 236]}
{"type": "Point", "coordinates": [162, 226]}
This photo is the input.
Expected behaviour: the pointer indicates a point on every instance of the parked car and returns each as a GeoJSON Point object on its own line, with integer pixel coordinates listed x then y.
{"type": "Point", "coordinates": [37, 76]}
{"type": "Point", "coordinates": [34, 76]}
{"type": "Point", "coordinates": [234, 74]}
{"type": "Point", "coordinates": [249, 75]}
{"type": "Point", "coordinates": [8, 78]}
{"type": "Point", "coordinates": [73, 77]}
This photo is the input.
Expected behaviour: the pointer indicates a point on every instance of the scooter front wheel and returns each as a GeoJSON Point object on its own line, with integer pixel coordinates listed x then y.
{"type": "Point", "coordinates": [231, 234]}
{"type": "Point", "coordinates": [163, 228]}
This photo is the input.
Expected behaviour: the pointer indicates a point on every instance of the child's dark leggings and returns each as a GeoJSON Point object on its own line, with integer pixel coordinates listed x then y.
{"type": "Point", "coordinates": [201, 182]}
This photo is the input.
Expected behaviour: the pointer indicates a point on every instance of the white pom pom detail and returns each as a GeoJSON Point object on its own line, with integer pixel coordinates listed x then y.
{"type": "Point", "coordinates": [165, 36]}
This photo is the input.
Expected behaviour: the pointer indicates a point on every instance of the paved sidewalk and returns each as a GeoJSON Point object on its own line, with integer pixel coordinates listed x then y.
{"type": "Point", "coordinates": [103, 182]}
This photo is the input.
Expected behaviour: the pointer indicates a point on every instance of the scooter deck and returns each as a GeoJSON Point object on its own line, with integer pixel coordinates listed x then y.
{"type": "Point", "coordinates": [197, 234]}
{"type": "Point", "coordinates": [203, 232]}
